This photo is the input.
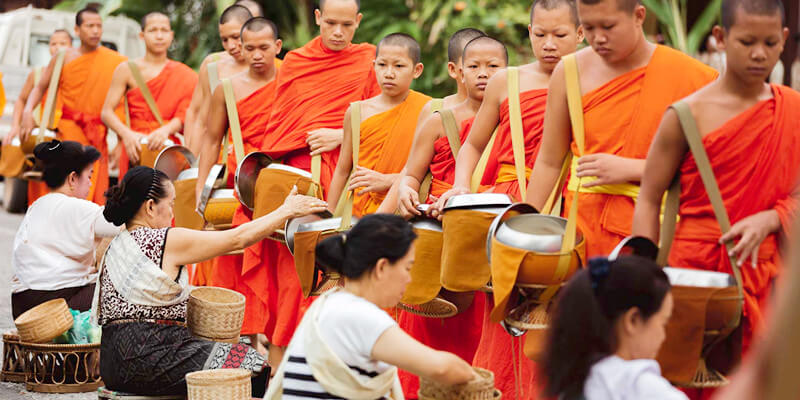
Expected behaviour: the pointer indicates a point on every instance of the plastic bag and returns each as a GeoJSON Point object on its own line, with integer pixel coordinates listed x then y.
{"type": "Point", "coordinates": [82, 331]}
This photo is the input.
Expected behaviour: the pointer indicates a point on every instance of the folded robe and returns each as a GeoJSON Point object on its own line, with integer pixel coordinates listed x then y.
{"type": "Point", "coordinates": [620, 118]}
{"type": "Point", "coordinates": [172, 91]}
{"type": "Point", "coordinates": [385, 143]}
{"type": "Point", "coordinates": [83, 86]}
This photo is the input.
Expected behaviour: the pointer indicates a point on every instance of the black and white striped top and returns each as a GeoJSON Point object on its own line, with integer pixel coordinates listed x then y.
{"type": "Point", "coordinates": [350, 325]}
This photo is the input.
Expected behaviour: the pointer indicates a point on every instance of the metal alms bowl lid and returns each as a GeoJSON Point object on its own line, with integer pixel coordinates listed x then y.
{"type": "Point", "coordinates": [533, 232]}
{"type": "Point", "coordinates": [217, 171]}
{"type": "Point", "coordinates": [322, 221]}
{"type": "Point", "coordinates": [173, 160]}
{"type": "Point", "coordinates": [698, 278]}
{"type": "Point", "coordinates": [289, 168]}
{"type": "Point", "coordinates": [246, 176]}
{"type": "Point", "coordinates": [514, 209]}
{"type": "Point", "coordinates": [478, 201]}
{"type": "Point", "coordinates": [425, 222]}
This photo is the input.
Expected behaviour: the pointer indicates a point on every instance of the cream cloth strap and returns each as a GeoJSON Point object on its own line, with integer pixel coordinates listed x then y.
{"type": "Point", "coordinates": [50, 101]}
{"type": "Point", "coordinates": [517, 136]}
{"type": "Point", "coordinates": [148, 96]}
{"type": "Point", "coordinates": [233, 121]}
{"type": "Point", "coordinates": [336, 377]}
{"type": "Point", "coordinates": [451, 131]}
{"type": "Point", "coordinates": [344, 208]}
{"type": "Point", "coordinates": [37, 76]}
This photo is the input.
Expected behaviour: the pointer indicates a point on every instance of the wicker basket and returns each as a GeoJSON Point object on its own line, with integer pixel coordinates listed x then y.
{"type": "Point", "coordinates": [44, 322]}
{"type": "Point", "coordinates": [478, 389]}
{"type": "Point", "coordinates": [13, 359]}
{"type": "Point", "coordinates": [62, 368]}
{"type": "Point", "coordinates": [436, 308]}
{"type": "Point", "coordinates": [215, 314]}
{"type": "Point", "coordinates": [216, 384]}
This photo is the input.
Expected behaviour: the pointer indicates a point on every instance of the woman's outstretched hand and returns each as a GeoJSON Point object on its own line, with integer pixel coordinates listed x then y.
{"type": "Point", "coordinates": [297, 205]}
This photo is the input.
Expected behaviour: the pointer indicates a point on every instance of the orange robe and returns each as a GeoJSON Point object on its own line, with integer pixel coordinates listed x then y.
{"type": "Point", "coordinates": [458, 334]}
{"type": "Point", "coordinates": [501, 174]}
{"type": "Point", "coordinates": [83, 87]}
{"type": "Point", "coordinates": [172, 91]}
{"type": "Point", "coordinates": [314, 88]}
{"type": "Point", "coordinates": [37, 189]}
{"type": "Point", "coordinates": [765, 139]}
{"type": "Point", "coordinates": [620, 118]}
{"type": "Point", "coordinates": [385, 143]}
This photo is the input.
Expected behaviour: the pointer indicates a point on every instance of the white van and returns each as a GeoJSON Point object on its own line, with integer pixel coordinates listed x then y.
{"type": "Point", "coordinates": [24, 44]}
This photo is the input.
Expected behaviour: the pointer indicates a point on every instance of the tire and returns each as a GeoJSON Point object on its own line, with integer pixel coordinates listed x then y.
{"type": "Point", "coordinates": [15, 195]}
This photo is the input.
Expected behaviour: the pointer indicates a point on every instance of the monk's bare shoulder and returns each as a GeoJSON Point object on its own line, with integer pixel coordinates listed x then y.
{"type": "Point", "coordinates": [450, 101]}
{"type": "Point", "coordinates": [497, 88]}
{"type": "Point", "coordinates": [432, 127]}
{"type": "Point", "coordinates": [531, 77]}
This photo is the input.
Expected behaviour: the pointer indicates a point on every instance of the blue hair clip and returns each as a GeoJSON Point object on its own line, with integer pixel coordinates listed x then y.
{"type": "Point", "coordinates": [599, 267]}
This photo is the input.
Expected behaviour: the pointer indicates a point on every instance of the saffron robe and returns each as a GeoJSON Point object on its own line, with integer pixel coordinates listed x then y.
{"type": "Point", "coordinates": [756, 163]}
{"type": "Point", "coordinates": [313, 89]}
{"type": "Point", "coordinates": [620, 118]}
{"type": "Point", "coordinates": [172, 91]}
{"type": "Point", "coordinates": [37, 189]}
{"type": "Point", "coordinates": [83, 86]}
{"type": "Point", "coordinates": [385, 143]}
{"type": "Point", "coordinates": [443, 164]}
{"type": "Point", "coordinates": [502, 174]}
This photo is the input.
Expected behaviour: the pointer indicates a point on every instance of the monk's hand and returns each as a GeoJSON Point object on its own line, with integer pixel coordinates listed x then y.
{"type": "Point", "coordinates": [297, 205]}
{"type": "Point", "coordinates": [324, 140]}
{"type": "Point", "coordinates": [607, 168]}
{"type": "Point", "coordinates": [14, 132]}
{"type": "Point", "coordinates": [133, 145]}
{"type": "Point", "coordinates": [751, 231]}
{"type": "Point", "coordinates": [408, 201]}
{"type": "Point", "coordinates": [156, 138]}
{"type": "Point", "coordinates": [370, 181]}
{"type": "Point", "coordinates": [28, 123]}
{"type": "Point", "coordinates": [438, 207]}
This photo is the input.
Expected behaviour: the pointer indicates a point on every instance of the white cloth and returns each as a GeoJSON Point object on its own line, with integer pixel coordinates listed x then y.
{"type": "Point", "coordinates": [55, 244]}
{"type": "Point", "coordinates": [330, 353]}
{"type": "Point", "coordinates": [613, 378]}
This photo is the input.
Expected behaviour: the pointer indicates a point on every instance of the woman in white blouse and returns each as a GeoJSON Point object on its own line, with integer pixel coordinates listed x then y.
{"type": "Point", "coordinates": [347, 346]}
{"type": "Point", "coordinates": [54, 249]}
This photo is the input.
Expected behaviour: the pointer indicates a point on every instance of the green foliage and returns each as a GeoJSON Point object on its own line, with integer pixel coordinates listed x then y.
{"type": "Point", "coordinates": [671, 14]}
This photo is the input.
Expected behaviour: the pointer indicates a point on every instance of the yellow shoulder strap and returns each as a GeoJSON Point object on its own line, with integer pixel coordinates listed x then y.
{"type": "Point", "coordinates": [480, 168]}
{"type": "Point", "coordinates": [37, 111]}
{"type": "Point", "coordinates": [517, 138]}
{"type": "Point", "coordinates": [233, 121]}
{"type": "Point", "coordinates": [437, 105]}
{"type": "Point", "coordinates": [213, 74]}
{"type": "Point", "coordinates": [50, 102]}
{"type": "Point", "coordinates": [148, 96]}
{"type": "Point", "coordinates": [451, 130]}
{"type": "Point", "coordinates": [344, 207]}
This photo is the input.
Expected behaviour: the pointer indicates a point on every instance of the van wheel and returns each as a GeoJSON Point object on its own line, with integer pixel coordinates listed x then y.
{"type": "Point", "coordinates": [15, 195]}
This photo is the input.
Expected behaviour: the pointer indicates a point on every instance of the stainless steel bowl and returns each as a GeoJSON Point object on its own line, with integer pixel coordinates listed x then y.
{"type": "Point", "coordinates": [424, 222]}
{"type": "Point", "coordinates": [699, 278]}
{"type": "Point", "coordinates": [289, 168]}
{"type": "Point", "coordinates": [222, 194]}
{"type": "Point", "coordinates": [478, 201]}
{"type": "Point", "coordinates": [294, 225]}
{"type": "Point", "coordinates": [173, 160]}
{"type": "Point", "coordinates": [247, 175]}
{"type": "Point", "coordinates": [217, 171]}
{"type": "Point", "coordinates": [533, 232]}
{"type": "Point", "coordinates": [190, 173]}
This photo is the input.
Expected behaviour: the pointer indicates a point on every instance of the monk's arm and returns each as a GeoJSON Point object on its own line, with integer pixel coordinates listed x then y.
{"type": "Point", "coordinates": [663, 161]}
{"type": "Point", "coordinates": [556, 139]}
{"type": "Point", "coordinates": [34, 99]}
{"type": "Point", "coordinates": [190, 122]}
{"type": "Point", "coordinates": [19, 106]}
{"type": "Point", "coordinates": [343, 166]}
{"type": "Point", "coordinates": [117, 89]}
{"type": "Point", "coordinates": [211, 141]}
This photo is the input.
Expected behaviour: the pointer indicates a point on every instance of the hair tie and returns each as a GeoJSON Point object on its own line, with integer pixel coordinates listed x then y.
{"type": "Point", "coordinates": [344, 239]}
{"type": "Point", "coordinates": [54, 145]}
{"type": "Point", "coordinates": [599, 268]}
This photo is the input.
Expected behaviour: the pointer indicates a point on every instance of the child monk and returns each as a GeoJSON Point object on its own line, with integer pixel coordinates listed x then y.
{"type": "Point", "coordinates": [751, 134]}
{"type": "Point", "coordinates": [388, 121]}
{"type": "Point", "coordinates": [170, 84]}
{"type": "Point", "coordinates": [85, 79]}
{"type": "Point", "coordinates": [58, 40]}
{"type": "Point", "coordinates": [254, 91]}
{"type": "Point", "coordinates": [626, 83]}
{"type": "Point", "coordinates": [482, 58]}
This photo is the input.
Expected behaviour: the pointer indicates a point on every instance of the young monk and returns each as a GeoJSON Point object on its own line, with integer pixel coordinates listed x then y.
{"type": "Point", "coordinates": [255, 7]}
{"type": "Point", "coordinates": [169, 82]}
{"type": "Point", "coordinates": [314, 88]}
{"type": "Point", "coordinates": [625, 84]}
{"type": "Point", "coordinates": [388, 121]}
{"type": "Point", "coordinates": [751, 133]}
{"type": "Point", "coordinates": [254, 91]}
{"type": "Point", "coordinates": [58, 40]}
{"type": "Point", "coordinates": [554, 31]}
{"type": "Point", "coordinates": [482, 58]}
{"type": "Point", "coordinates": [85, 79]}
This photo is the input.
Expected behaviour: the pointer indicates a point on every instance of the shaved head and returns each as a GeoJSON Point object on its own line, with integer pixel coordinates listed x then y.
{"type": "Point", "coordinates": [235, 13]}
{"type": "Point", "coordinates": [152, 14]}
{"type": "Point", "coordinates": [322, 3]}
{"type": "Point", "coordinates": [481, 40]}
{"type": "Point", "coordinates": [252, 5]}
{"type": "Point", "coordinates": [62, 32]}
{"type": "Point", "coordinates": [459, 40]}
{"type": "Point", "coordinates": [402, 40]}
{"type": "Point", "coordinates": [258, 24]}
{"type": "Point", "coordinates": [623, 5]}
{"type": "Point", "coordinates": [82, 12]}
{"type": "Point", "coordinates": [753, 7]}
{"type": "Point", "coordinates": [553, 4]}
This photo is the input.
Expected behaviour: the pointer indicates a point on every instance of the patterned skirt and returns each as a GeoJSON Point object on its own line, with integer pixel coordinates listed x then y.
{"type": "Point", "coordinates": [153, 359]}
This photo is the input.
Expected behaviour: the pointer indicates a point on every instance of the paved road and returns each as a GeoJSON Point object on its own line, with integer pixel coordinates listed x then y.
{"type": "Point", "coordinates": [13, 391]}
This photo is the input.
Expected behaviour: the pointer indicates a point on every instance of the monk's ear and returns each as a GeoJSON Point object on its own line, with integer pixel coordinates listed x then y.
{"type": "Point", "coordinates": [452, 70]}
{"type": "Point", "coordinates": [358, 19]}
{"type": "Point", "coordinates": [718, 33]}
{"type": "Point", "coordinates": [418, 68]}
{"type": "Point", "coordinates": [278, 46]}
{"type": "Point", "coordinates": [639, 14]}
{"type": "Point", "coordinates": [580, 34]}
{"type": "Point", "coordinates": [318, 17]}
{"type": "Point", "coordinates": [785, 35]}
{"type": "Point", "coordinates": [141, 35]}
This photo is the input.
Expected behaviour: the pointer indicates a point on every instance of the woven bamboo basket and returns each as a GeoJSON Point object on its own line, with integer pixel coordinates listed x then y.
{"type": "Point", "coordinates": [436, 308]}
{"type": "Point", "coordinates": [216, 384]}
{"type": "Point", "coordinates": [478, 389]}
{"type": "Point", "coordinates": [44, 322]}
{"type": "Point", "coordinates": [13, 359]}
{"type": "Point", "coordinates": [62, 368]}
{"type": "Point", "coordinates": [215, 314]}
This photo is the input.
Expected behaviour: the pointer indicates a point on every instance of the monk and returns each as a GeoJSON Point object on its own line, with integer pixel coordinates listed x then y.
{"type": "Point", "coordinates": [482, 58]}
{"type": "Point", "coordinates": [253, 91]}
{"type": "Point", "coordinates": [314, 88]}
{"type": "Point", "coordinates": [255, 7]}
{"type": "Point", "coordinates": [58, 40]}
{"type": "Point", "coordinates": [751, 133]}
{"type": "Point", "coordinates": [388, 121]}
{"type": "Point", "coordinates": [455, 50]}
{"type": "Point", "coordinates": [85, 79]}
{"type": "Point", "coordinates": [626, 84]}
{"type": "Point", "coordinates": [169, 82]}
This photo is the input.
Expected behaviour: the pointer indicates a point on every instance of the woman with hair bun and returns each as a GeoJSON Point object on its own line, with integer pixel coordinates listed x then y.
{"type": "Point", "coordinates": [608, 325]}
{"type": "Point", "coordinates": [142, 291]}
{"type": "Point", "coordinates": [348, 347]}
{"type": "Point", "coordinates": [54, 250]}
